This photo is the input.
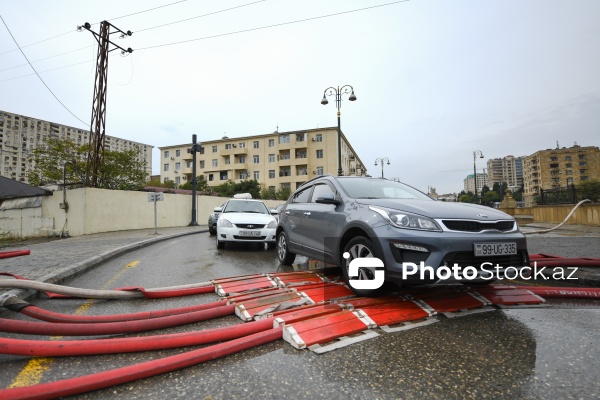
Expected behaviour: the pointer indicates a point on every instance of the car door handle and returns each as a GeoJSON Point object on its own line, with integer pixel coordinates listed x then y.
{"type": "Point", "coordinates": [287, 213]}
{"type": "Point", "coordinates": [307, 214]}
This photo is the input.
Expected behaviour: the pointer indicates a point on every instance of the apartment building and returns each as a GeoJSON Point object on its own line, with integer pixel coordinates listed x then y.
{"type": "Point", "coordinates": [507, 169]}
{"type": "Point", "coordinates": [276, 160]}
{"type": "Point", "coordinates": [20, 134]}
{"type": "Point", "coordinates": [555, 168]}
{"type": "Point", "coordinates": [469, 183]}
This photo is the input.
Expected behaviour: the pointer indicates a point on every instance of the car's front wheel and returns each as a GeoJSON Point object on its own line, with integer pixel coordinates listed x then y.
{"type": "Point", "coordinates": [283, 253]}
{"type": "Point", "coordinates": [220, 244]}
{"type": "Point", "coordinates": [212, 230]}
{"type": "Point", "coordinates": [360, 247]}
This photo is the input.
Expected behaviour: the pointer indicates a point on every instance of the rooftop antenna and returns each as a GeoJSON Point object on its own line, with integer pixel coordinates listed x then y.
{"type": "Point", "coordinates": [557, 146]}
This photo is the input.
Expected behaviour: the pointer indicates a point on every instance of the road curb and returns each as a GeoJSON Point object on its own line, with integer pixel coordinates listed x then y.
{"type": "Point", "coordinates": [92, 262]}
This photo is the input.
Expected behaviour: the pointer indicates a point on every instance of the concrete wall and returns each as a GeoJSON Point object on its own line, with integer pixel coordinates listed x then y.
{"type": "Point", "coordinates": [99, 210]}
{"type": "Point", "coordinates": [585, 214]}
{"type": "Point", "coordinates": [24, 218]}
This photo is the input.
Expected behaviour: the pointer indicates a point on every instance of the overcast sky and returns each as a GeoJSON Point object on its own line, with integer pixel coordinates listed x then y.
{"type": "Point", "coordinates": [435, 79]}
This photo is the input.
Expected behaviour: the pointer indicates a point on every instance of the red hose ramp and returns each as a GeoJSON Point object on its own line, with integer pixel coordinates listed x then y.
{"type": "Point", "coordinates": [546, 260]}
{"type": "Point", "coordinates": [296, 278]}
{"type": "Point", "coordinates": [328, 292]}
{"type": "Point", "coordinates": [326, 328]}
{"type": "Point", "coordinates": [111, 328]}
{"type": "Point", "coordinates": [390, 310]}
{"type": "Point", "coordinates": [15, 253]}
{"type": "Point", "coordinates": [240, 286]}
{"type": "Point", "coordinates": [68, 348]}
{"type": "Point", "coordinates": [563, 292]}
{"type": "Point", "coordinates": [51, 316]}
{"type": "Point", "coordinates": [509, 297]}
{"type": "Point", "coordinates": [249, 308]}
{"type": "Point", "coordinates": [302, 313]}
{"type": "Point", "coordinates": [88, 383]}
{"type": "Point", "coordinates": [450, 302]}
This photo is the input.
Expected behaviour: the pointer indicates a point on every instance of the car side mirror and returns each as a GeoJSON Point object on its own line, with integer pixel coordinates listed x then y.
{"type": "Point", "coordinates": [217, 209]}
{"type": "Point", "coordinates": [274, 211]}
{"type": "Point", "coordinates": [327, 198]}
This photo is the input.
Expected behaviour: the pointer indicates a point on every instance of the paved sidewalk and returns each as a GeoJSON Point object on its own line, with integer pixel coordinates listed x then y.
{"type": "Point", "coordinates": [57, 259]}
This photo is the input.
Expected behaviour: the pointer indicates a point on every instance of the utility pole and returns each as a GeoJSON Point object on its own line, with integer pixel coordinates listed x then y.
{"type": "Point", "coordinates": [196, 148]}
{"type": "Point", "coordinates": [95, 154]}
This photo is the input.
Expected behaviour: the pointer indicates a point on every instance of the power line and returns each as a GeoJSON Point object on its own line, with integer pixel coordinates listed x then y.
{"type": "Point", "coordinates": [274, 25]}
{"type": "Point", "coordinates": [96, 23]}
{"type": "Point", "coordinates": [47, 58]}
{"type": "Point", "coordinates": [199, 16]}
{"type": "Point", "coordinates": [38, 75]}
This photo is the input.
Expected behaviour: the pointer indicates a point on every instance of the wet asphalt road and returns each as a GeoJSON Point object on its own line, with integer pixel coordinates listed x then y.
{"type": "Point", "coordinates": [523, 354]}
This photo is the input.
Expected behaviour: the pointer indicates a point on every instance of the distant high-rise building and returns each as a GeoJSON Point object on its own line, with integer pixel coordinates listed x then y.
{"type": "Point", "coordinates": [508, 169]}
{"type": "Point", "coordinates": [20, 134]}
{"type": "Point", "coordinates": [554, 168]}
{"type": "Point", "coordinates": [469, 183]}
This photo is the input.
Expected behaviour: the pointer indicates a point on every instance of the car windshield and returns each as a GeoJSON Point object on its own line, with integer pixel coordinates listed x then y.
{"type": "Point", "coordinates": [245, 207]}
{"type": "Point", "coordinates": [370, 188]}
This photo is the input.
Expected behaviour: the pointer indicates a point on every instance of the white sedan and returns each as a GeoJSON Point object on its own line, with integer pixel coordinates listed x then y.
{"type": "Point", "coordinates": [245, 221]}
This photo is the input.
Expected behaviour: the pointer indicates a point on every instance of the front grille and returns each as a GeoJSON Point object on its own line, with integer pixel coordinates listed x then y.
{"type": "Point", "coordinates": [468, 259]}
{"type": "Point", "coordinates": [249, 237]}
{"type": "Point", "coordinates": [250, 226]}
{"type": "Point", "coordinates": [478, 226]}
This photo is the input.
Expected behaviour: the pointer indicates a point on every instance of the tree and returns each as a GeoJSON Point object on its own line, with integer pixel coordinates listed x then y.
{"type": "Point", "coordinates": [589, 190]}
{"type": "Point", "coordinates": [490, 197]}
{"type": "Point", "coordinates": [201, 184]}
{"type": "Point", "coordinates": [268, 193]}
{"type": "Point", "coordinates": [466, 198]}
{"type": "Point", "coordinates": [121, 170]}
{"type": "Point", "coordinates": [283, 193]}
{"type": "Point", "coordinates": [229, 188]}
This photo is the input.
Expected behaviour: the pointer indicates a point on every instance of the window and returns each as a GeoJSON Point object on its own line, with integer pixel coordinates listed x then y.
{"type": "Point", "coordinates": [256, 159]}
{"type": "Point", "coordinates": [243, 175]}
{"type": "Point", "coordinates": [242, 159]}
{"type": "Point", "coordinates": [177, 166]}
{"type": "Point", "coordinates": [271, 173]}
{"type": "Point", "coordinates": [319, 170]}
{"type": "Point", "coordinates": [242, 145]}
{"type": "Point", "coordinates": [582, 171]}
{"type": "Point", "coordinates": [285, 156]}
{"type": "Point", "coordinates": [582, 163]}
{"type": "Point", "coordinates": [271, 142]}
{"type": "Point", "coordinates": [319, 153]}
{"type": "Point", "coordinates": [215, 163]}
{"type": "Point", "coordinates": [256, 175]}
{"type": "Point", "coordinates": [568, 158]}
{"type": "Point", "coordinates": [553, 158]}
{"type": "Point", "coordinates": [223, 175]}
{"type": "Point", "coordinates": [319, 137]}
{"type": "Point", "coordinates": [214, 149]}
{"type": "Point", "coordinates": [211, 177]}
{"type": "Point", "coordinates": [188, 164]}
{"type": "Point", "coordinates": [569, 180]}
{"type": "Point", "coordinates": [584, 178]}
{"type": "Point", "coordinates": [166, 168]}
{"type": "Point", "coordinates": [271, 158]}
{"type": "Point", "coordinates": [569, 172]}
{"type": "Point", "coordinates": [302, 196]}
{"type": "Point", "coordinates": [553, 165]}
{"type": "Point", "coordinates": [582, 157]}
{"type": "Point", "coordinates": [228, 146]}
{"type": "Point", "coordinates": [284, 139]}
{"type": "Point", "coordinates": [166, 153]}
{"type": "Point", "coordinates": [202, 164]}
{"type": "Point", "coordinates": [300, 137]}
{"type": "Point", "coordinates": [255, 144]}
{"type": "Point", "coordinates": [569, 165]}
{"type": "Point", "coordinates": [178, 180]}
{"type": "Point", "coordinates": [177, 153]}
{"type": "Point", "coordinates": [321, 190]}
{"type": "Point", "coordinates": [227, 160]}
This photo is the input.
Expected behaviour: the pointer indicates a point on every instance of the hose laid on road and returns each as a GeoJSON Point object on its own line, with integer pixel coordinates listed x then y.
{"type": "Point", "coordinates": [558, 261]}
{"type": "Point", "coordinates": [563, 292]}
{"type": "Point", "coordinates": [564, 221]}
{"type": "Point", "coordinates": [125, 293]}
{"type": "Point", "coordinates": [112, 328]}
{"type": "Point", "coordinates": [16, 253]}
{"type": "Point", "coordinates": [118, 376]}
{"type": "Point", "coordinates": [14, 304]}
{"type": "Point", "coordinates": [68, 348]}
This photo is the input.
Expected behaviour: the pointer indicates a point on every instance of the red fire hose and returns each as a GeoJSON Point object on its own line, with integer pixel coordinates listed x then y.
{"type": "Point", "coordinates": [111, 328]}
{"type": "Point", "coordinates": [64, 348]}
{"type": "Point", "coordinates": [563, 292]}
{"type": "Point", "coordinates": [16, 253]}
{"type": "Point", "coordinates": [101, 380]}
{"type": "Point", "coordinates": [545, 260]}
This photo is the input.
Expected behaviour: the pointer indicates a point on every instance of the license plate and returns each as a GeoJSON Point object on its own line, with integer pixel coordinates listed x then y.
{"type": "Point", "coordinates": [249, 233]}
{"type": "Point", "coordinates": [495, 249]}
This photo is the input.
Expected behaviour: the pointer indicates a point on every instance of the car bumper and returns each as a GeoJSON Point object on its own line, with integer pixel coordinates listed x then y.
{"type": "Point", "coordinates": [266, 235]}
{"type": "Point", "coordinates": [412, 256]}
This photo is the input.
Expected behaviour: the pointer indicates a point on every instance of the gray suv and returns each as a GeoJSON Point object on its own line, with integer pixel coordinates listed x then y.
{"type": "Point", "coordinates": [339, 219]}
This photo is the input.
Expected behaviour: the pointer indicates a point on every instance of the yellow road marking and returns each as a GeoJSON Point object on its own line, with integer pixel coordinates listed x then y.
{"type": "Point", "coordinates": [33, 372]}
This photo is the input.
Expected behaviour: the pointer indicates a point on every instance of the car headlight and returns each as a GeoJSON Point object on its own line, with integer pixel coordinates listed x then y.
{"type": "Point", "coordinates": [225, 223]}
{"type": "Point", "coordinates": [272, 225]}
{"type": "Point", "coordinates": [402, 219]}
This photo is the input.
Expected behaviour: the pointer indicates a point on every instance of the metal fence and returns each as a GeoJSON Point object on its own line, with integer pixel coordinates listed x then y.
{"type": "Point", "coordinates": [570, 194]}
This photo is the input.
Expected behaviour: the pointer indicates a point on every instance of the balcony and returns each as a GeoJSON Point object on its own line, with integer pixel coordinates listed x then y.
{"type": "Point", "coordinates": [234, 151]}
{"type": "Point", "coordinates": [237, 166]}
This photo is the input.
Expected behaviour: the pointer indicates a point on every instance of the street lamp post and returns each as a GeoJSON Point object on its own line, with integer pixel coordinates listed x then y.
{"type": "Point", "coordinates": [338, 92]}
{"type": "Point", "coordinates": [382, 160]}
{"type": "Point", "coordinates": [475, 153]}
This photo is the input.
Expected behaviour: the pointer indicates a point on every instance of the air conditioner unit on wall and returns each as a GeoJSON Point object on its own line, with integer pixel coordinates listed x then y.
{"type": "Point", "coordinates": [172, 158]}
